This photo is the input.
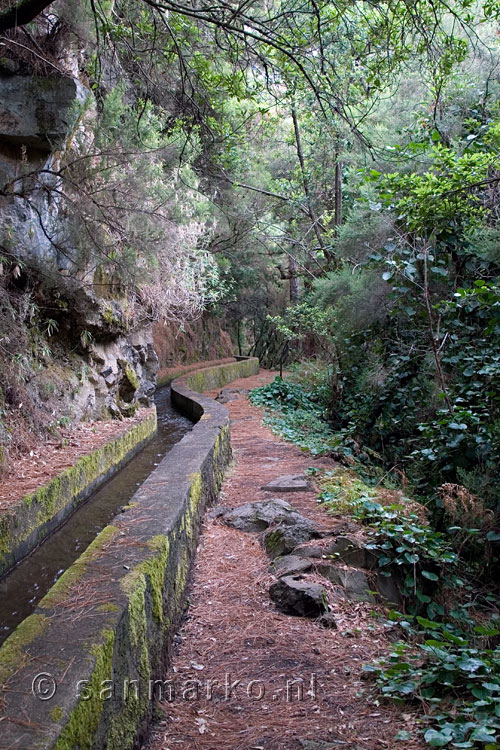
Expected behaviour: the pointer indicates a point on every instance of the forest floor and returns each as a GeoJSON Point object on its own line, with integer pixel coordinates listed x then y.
{"type": "Point", "coordinates": [239, 664]}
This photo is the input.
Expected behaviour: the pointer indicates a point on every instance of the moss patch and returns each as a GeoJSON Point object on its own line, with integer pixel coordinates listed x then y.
{"type": "Point", "coordinates": [56, 714]}
{"type": "Point", "coordinates": [131, 376]}
{"type": "Point", "coordinates": [60, 591]}
{"type": "Point", "coordinates": [80, 731]}
{"type": "Point", "coordinates": [31, 513]}
{"type": "Point", "coordinates": [13, 652]}
{"type": "Point", "coordinates": [218, 376]}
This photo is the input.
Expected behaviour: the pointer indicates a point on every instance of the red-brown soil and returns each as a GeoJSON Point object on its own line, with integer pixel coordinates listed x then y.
{"type": "Point", "coordinates": [234, 633]}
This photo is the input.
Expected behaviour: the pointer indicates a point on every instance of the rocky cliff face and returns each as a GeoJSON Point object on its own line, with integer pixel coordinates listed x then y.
{"type": "Point", "coordinates": [68, 349]}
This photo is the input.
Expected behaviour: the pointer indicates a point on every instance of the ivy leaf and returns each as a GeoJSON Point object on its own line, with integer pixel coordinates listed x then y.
{"type": "Point", "coordinates": [403, 735]}
{"type": "Point", "coordinates": [470, 664]}
{"type": "Point", "coordinates": [430, 576]}
{"type": "Point", "coordinates": [482, 734]}
{"type": "Point", "coordinates": [430, 624]}
{"type": "Point", "coordinates": [436, 739]}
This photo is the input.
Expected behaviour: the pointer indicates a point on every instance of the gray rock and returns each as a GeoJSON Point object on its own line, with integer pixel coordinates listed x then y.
{"type": "Point", "coordinates": [39, 111]}
{"type": "Point", "coordinates": [289, 565]}
{"type": "Point", "coordinates": [295, 596]}
{"type": "Point", "coordinates": [257, 516]}
{"type": "Point", "coordinates": [288, 483]}
{"type": "Point", "coordinates": [217, 512]}
{"type": "Point", "coordinates": [346, 549]}
{"type": "Point", "coordinates": [354, 581]}
{"type": "Point", "coordinates": [282, 539]}
{"type": "Point", "coordinates": [387, 586]}
{"type": "Point", "coordinates": [312, 549]}
{"type": "Point", "coordinates": [352, 551]}
{"type": "Point", "coordinates": [231, 394]}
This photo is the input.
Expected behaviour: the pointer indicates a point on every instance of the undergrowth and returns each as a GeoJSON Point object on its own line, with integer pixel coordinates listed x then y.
{"type": "Point", "coordinates": [447, 660]}
{"type": "Point", "coordinates": [296, 414]}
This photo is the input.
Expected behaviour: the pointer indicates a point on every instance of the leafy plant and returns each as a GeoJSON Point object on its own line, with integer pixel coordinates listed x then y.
{"type": "Point", "coordinates": [456, 682]}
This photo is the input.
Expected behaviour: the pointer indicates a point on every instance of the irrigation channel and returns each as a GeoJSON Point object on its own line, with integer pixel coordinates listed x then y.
{"type": "Point", "coordinates": [29, 581]}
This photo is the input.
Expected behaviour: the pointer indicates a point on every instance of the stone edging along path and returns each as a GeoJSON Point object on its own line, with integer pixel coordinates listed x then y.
{"type": "Point", "coordinates": [30, 520]}
{"type": "Point", "coordinates": [80, 672]}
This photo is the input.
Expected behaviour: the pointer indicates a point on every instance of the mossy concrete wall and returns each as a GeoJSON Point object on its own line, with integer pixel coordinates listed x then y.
{"type": "Point", "coordinates": [209, 379]}
{"type": "Point", "coordinates": [102, 634]}
{"type": "Point", "coordinates": [31, 519]}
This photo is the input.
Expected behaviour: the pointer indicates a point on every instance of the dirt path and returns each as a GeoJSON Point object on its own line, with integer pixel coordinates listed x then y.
{"type": "Point", "coordinates": [246, 677]}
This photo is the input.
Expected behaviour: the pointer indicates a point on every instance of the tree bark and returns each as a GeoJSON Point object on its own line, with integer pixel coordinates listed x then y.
{"type": "Point", "coordinates": [294, 280]}
{"type": "Point", "coordinates": [338, 193]}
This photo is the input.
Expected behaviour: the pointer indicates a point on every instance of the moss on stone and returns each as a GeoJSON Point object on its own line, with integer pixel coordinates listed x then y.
{"type": "Point", "coordinates": [4, 534]}
{"type": "Point", "coordinates": [32, 512]}
{"type": "Point", "coordinates": [81, 728]}
{"type": "Point", "coordinates": [109, 317]}
{"type": "Point", "coordinates": [272, 541]}
{"type": "Point", "coordinates": [131, 376]}
{"type": "Point", "coordinates": [219, 375]}
{"type": "Point", "coordinates": [61, 589]}
{"type": "Point", "coordinates": [13, 651]}
{"type": "Point", "coordinates": [123, 725]}
{"type": "Point", "coordinates": [195, 490]}
{"type": "Point", "coordinates": [56, 714]}
{"type": "Point", "coordinates": [155, 569]}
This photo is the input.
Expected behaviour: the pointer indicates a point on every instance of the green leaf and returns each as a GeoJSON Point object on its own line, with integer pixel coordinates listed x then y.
{"type": "Point", "coordinates": [482, 734]}
{"type": "Point", "coordinates": [428, 624]}
{"type": "Point", "coordinates": [430, 576]}
{"type": "Point", "coordinates": [436, 739]}
{"type": "Point", "coordinates": [403, 735]}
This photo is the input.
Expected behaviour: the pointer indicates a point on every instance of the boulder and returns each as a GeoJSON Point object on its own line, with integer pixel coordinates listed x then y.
{"type": "Point", "coordinates": [311, 549]}
{"type": "Point", "coordinates": [257, 516]}
{"type": "Point", "coordinates": [231, 394]}
{"type": "Point", "coordinates": [353, 581]}
{"type": "Point", "coordinates": [289, 565]}
{"type": "Point", "coordinates": [260, 515]}
{"type": "Point", "coordinates": [352, 551]}
{"type": "Point", "coordinates": [288, 483]}
{"type": "Point", "coordinates": [343, 548]}
{"type": "Point", "coordinates": [387, 587]}
{"type": "Point", "coordinates": [296, 596]}
{"type": "Point", "coordinates": [282, 539]}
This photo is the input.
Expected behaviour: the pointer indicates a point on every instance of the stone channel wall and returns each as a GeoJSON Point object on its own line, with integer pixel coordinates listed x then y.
{"type": "Point", "coordinates": [31, 519]}
{"type": "Point", "coordinates": [84, 670]}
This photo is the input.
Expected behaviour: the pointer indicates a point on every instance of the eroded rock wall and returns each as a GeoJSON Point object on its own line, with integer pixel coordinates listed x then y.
{"type": "Point", "coordinates": [68, 349]}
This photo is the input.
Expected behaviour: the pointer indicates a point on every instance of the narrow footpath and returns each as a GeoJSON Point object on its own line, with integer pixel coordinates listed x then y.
{"type": "Point", "coordinates": [246, 677]}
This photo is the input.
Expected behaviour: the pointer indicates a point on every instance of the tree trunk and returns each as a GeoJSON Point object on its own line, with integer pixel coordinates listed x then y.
{"type": "Point", "coordinates": [294, 280]}
{"type": "Point", "coordinates": [338, 193]}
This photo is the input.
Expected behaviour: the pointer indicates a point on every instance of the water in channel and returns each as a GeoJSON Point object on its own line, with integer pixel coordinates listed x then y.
{"type": "Point", "coordinates": [25, 585]}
